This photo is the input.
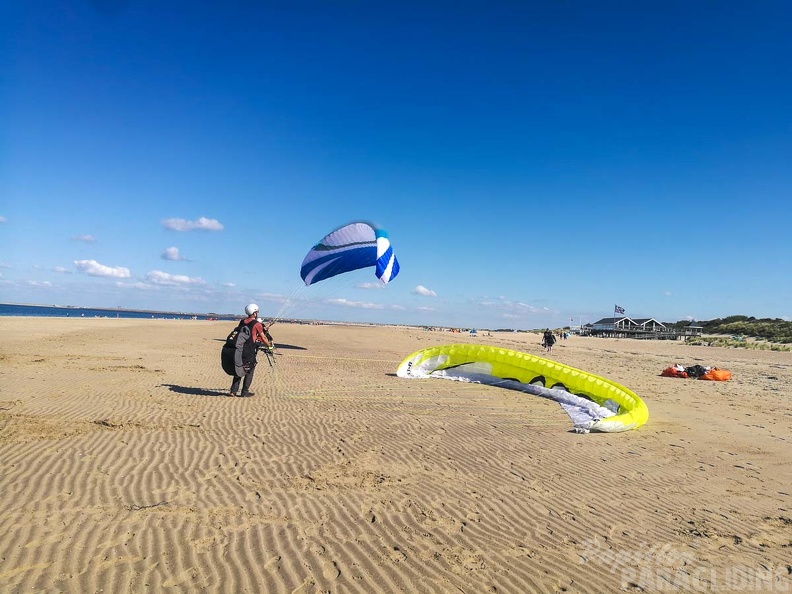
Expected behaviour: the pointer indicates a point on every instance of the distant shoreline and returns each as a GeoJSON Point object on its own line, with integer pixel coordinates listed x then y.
{"type": "Point", "coordinates": [41, 310]}
{"type": "Point", "coordinates": [116, 309]}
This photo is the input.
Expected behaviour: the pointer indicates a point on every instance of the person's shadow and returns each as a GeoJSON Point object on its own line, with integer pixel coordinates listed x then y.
{"type": "Point", "coordinates": [190, 391]}
{"type": "Point", "coordinates": [278, 345]}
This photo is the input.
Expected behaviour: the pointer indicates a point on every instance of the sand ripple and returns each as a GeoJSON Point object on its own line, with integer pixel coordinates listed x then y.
{"type": "Point", "coordinates": [125, 468]}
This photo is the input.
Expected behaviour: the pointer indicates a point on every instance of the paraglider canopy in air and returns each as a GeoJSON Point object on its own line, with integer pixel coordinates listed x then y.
{"type": "Point", "coordinates": [351, 247]}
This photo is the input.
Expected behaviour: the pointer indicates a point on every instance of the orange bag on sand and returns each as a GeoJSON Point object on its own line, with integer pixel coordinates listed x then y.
{"type": "Point", "coordinates": [717, 375]}
{"type": "Point", "coordinates": [673, 372]}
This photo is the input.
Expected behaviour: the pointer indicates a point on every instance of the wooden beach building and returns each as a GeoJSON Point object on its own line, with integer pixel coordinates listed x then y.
{"type": "Point", "coordinates": [647, 328]}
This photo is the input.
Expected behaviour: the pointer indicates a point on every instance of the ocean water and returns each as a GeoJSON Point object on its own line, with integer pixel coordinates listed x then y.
{"type": "Point", "coordinates": [9, 309]}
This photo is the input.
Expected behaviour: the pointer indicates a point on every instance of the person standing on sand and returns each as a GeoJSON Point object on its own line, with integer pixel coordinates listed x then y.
{"type": "Point", "coordinates": [548, 340]}
{"type": "Point", "coordinates": [251, 334]}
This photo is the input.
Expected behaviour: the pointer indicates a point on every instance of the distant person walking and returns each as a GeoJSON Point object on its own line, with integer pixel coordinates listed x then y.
{"type": "Point", "coordinates": [548, 340]}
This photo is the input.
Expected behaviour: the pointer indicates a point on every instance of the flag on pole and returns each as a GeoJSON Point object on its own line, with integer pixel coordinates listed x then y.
{"type": "Point", "coordinates": [618, 310]}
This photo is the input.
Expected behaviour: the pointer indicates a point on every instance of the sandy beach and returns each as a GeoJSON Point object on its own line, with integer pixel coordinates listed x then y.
{"type": "Point", "coordinates": [125, 468]}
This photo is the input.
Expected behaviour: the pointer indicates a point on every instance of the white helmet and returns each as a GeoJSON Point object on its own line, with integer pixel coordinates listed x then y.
{"type": "Point", "coordinates": [251, 309]}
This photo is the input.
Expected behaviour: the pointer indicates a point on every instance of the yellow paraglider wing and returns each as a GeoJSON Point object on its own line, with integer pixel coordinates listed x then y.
{"type": "Point", "coordinates": [593, 402]}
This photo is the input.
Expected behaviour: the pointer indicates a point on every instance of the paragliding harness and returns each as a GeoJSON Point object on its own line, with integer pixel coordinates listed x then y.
{"type": "Point", "coordinates": [698, 372]}
{"type": "Point", "coordinates": [240, 340]}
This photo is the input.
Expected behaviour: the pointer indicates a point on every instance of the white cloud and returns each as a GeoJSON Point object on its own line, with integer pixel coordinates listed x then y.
{"type": "Point", "coordinates": [138, 286]}
{"type": "Point", "coordinates": [229, 285]}
{"type": "Point", "coordinates": [3, 219]}
{"type": "Point", "coordinates": [61, 270]}
{"type": "Point", "coordinates": [271, 297]}
{"type": "Point", "coordinates": [421, 290]}
{"type": "Point", "coordinates": [425, 309]}
{"type": "Point", "coordinates": [370, 286]}
{"type": "Point", "coordinates": [84, 238]}
{"type": "Point", "coordinates": [39, 283]}
{"type": "Point", "coordinates": [93, 268]}
{"type": "Point", "coordinates": [158, 277]}
{"type": "Point", "coordinates": [511, 309]}
{"type": "Point", "coordinates": [667, 293]}
{"type": "Point", "coordinates": [202, 224]}
{"type": "Point", "coordinates": [364, 304]}
{"type": "Point", "coordinates": [527, 307]}
{"type": "Point", "coordinates": [172, 253]}
{"type": "Point", "coordinates": [355, 304]}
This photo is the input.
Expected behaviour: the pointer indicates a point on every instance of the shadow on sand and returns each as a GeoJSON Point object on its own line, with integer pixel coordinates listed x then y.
{"type": "Point", "coordinates": [278, 345]}
{"type": "Point", "coordinates": [194, 391]}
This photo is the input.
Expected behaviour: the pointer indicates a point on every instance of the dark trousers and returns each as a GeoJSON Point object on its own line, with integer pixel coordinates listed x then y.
{"type": "Point", "coordinates": [245, 384]}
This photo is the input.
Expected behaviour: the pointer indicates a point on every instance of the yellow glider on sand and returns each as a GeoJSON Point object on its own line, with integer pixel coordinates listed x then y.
{"type": "Point", "coordinates": [592, 402]}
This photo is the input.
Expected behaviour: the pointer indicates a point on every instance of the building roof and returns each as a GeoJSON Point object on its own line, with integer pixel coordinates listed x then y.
{"type": "Point", "coordinates": [612, 320]}
{"type": "Point", "coordinates": [644, 321]}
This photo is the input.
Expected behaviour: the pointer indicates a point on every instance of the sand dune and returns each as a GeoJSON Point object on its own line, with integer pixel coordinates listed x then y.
{"type": "Point", "coordinates": [126, 469]}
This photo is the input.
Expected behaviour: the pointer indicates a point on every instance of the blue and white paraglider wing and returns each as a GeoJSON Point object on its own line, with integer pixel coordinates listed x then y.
{"type": "Point", "coordinates": [387, 264]}
{"type": "Point", "coordinates": [352, 247]}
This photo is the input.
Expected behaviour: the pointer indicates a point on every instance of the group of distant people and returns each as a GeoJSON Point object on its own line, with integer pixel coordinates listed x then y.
{"type": "Point", "coordinates": [549, 339]}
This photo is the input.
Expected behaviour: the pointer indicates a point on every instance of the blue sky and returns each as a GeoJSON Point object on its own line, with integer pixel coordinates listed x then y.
{"type": "Point", "coordinates": [531, 162]}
